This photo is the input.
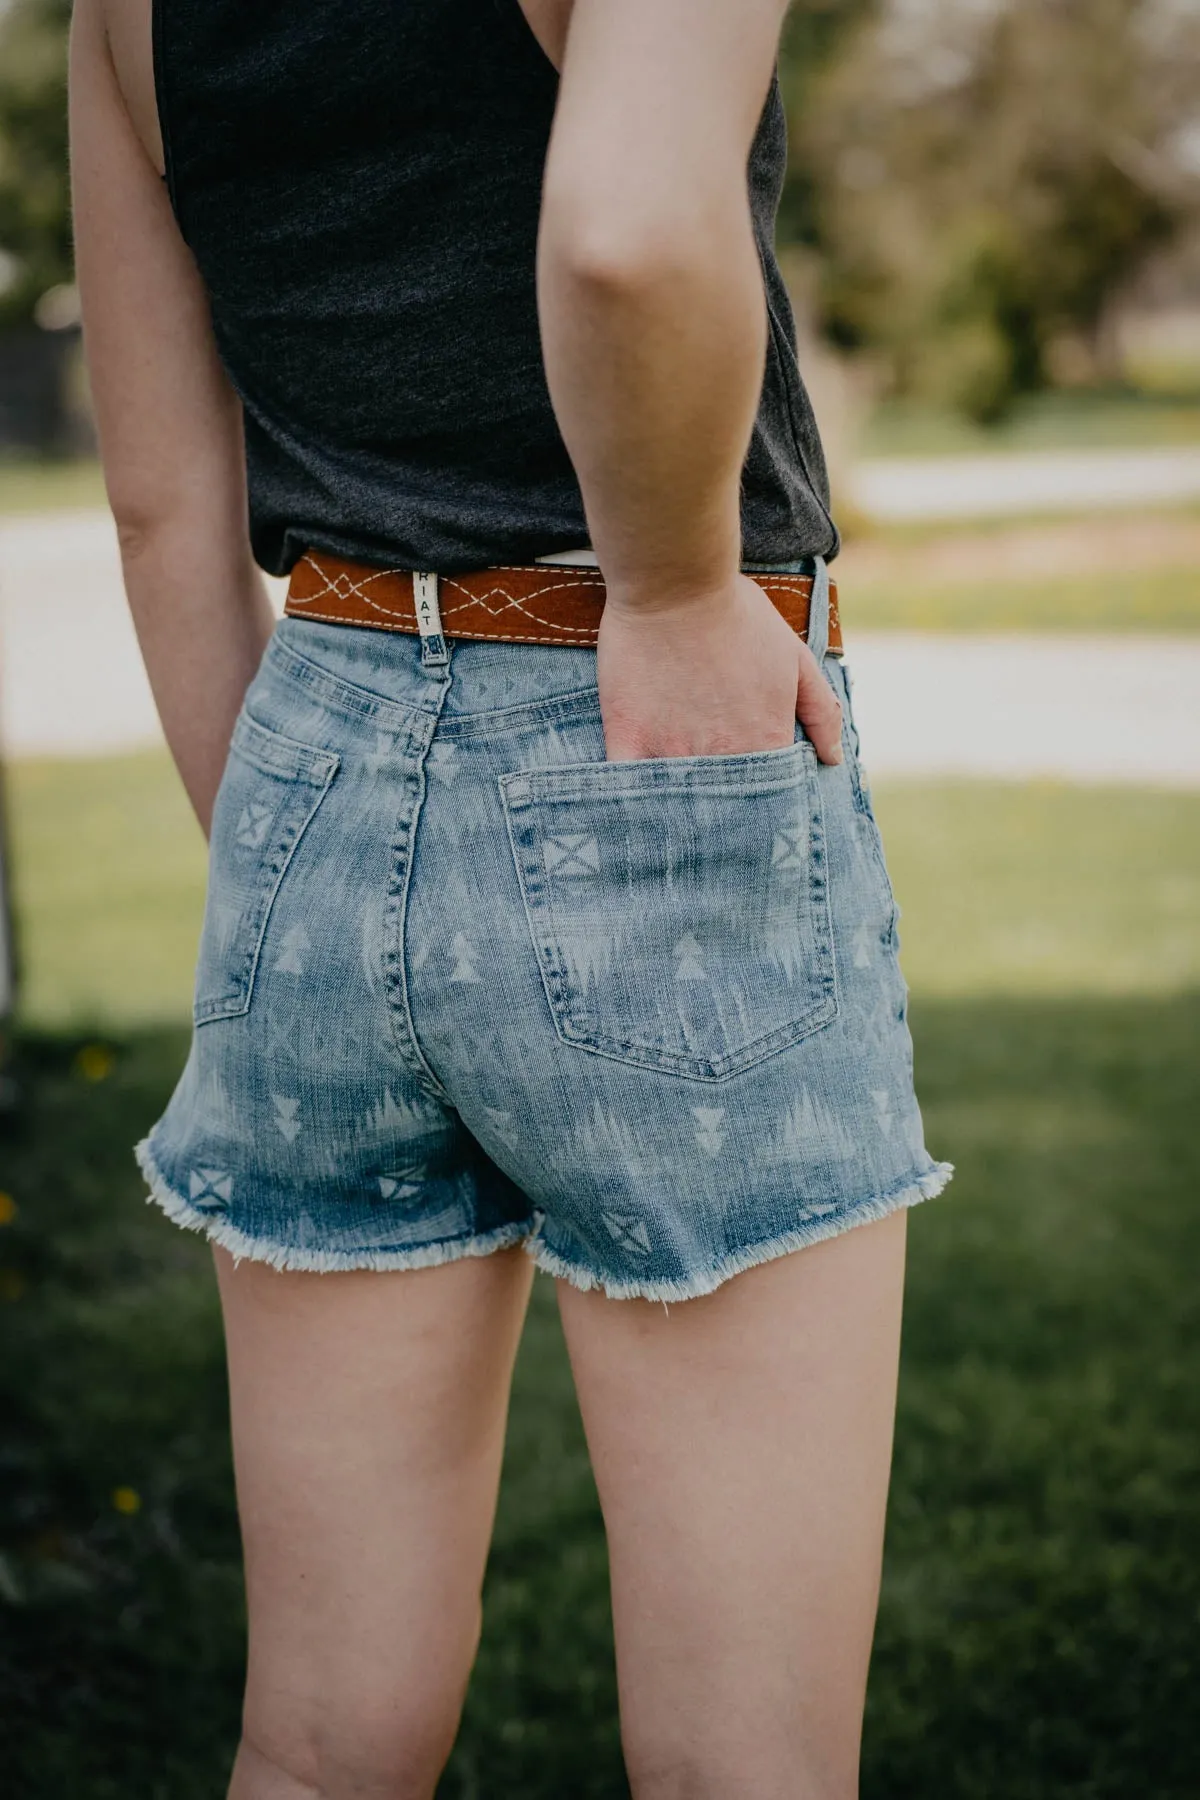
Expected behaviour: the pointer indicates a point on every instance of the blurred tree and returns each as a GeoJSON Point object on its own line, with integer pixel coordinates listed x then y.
{"type": "Point", "coordinates": [815, 31]}
{"type": "Point", "coordinates": [35, 228]}
{"type": "Point", "coordinates": [987, 174]}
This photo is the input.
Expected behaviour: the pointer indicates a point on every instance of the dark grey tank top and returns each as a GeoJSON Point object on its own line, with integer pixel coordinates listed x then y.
{"type": "Point", "coordinates": [360, 186]}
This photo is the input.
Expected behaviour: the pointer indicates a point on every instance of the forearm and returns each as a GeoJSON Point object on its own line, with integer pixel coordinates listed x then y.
{"type": "Point", "coordinates": [203, 618]}
{"type": "Point", "coordinates": [655, 378]}
{"type": "Point", "coordinates": [650, 288]}
{"type": "Point", "coordinates": [170, 426]}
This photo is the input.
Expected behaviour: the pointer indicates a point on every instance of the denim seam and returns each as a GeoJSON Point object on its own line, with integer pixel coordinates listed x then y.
{"type": "Point", "coordinates": [395, 926]}
{"type": "Point", "coordinates": [862, 804]}
{"type": "Point", "coordinates": [344, 696]}
{"type": "Point", "coordinates": [273, 752]}
{"type": "Point", "coordinates": [576, 703]}
{"type": "Point", "coordinates": [739, 775]}
{"type": "Point", "coordinates": [361, 703]}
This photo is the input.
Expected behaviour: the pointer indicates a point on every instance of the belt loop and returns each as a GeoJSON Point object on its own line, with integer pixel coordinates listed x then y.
{"type": "Point", "coordinates": [817, 636]}
{"type": "Point", "coordinates": [435, 653]}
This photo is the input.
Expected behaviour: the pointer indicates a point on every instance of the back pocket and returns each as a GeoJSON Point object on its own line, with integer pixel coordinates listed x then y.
{"type": "Point", "coordinates": [679, 906]}
{"type": "Point", "coordinates": [269, 792]}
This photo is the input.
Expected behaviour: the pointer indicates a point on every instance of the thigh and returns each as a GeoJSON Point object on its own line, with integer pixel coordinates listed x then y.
{"type": "Point", "coordinates": [368, 1414]}
{"type": "Point", "coordinates": [742, 1444]}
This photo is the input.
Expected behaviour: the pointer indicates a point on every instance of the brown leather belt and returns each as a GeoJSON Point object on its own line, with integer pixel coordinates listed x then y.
{"type": "Point", "coordinates": [538, 603]}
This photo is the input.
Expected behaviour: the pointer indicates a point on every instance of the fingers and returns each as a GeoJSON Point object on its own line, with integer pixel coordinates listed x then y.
{"type": "Point", "coordinates": [818, 709]}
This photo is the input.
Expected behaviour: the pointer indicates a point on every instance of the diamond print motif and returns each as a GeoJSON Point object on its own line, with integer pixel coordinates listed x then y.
{"type": "Point", "coordinates": [790, 849]}
{"type": "Point", "coordinates": [210, 1187]}
{"type": "Point", "coordinates": [629, 1231]}
{"type": "Point", "coordinates": [575, 854]}
{"type": "Point", "coordinates": [253, 825]}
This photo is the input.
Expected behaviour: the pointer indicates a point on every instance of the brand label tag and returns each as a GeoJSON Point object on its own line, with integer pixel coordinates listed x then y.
{"type": "Point", "coordinates": [429, 620]}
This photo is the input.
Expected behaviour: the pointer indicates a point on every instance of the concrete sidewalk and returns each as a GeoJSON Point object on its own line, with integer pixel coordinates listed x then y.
{"type": "Point", "coordinates": [1071, 708]}
{"type": "Point", "coordinates": [1009, 484]}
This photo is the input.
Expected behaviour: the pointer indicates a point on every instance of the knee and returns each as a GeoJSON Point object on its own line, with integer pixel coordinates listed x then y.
{"type": "Point", "coordinates": [392, 1748]}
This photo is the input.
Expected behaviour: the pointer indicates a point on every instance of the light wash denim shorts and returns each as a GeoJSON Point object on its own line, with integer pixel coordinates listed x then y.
{"type": "Point", "coordinates": [464, 984]}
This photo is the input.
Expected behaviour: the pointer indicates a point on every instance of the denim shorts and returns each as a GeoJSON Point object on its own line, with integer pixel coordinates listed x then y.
{"type": "Point", "coordinates": [464, 984]}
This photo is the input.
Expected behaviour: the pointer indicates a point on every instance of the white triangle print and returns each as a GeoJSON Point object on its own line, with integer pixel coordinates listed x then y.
{"type": "Point", "coordinates": [688, 963]}
{"type": "Point", "coordinates": [464, 959]}
{"type": "Point", "coordinates": [292, 948]}
{"type": "Point", "coordinates": [709, 1133]}
{"type": "Point", "coordinates": [285, 1116]}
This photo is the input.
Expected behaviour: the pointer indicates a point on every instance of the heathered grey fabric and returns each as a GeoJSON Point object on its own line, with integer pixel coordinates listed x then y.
{"type": "Point", "coordinates": [360, 188]}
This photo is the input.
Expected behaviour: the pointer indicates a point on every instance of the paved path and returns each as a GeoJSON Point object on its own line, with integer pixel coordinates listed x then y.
{"type": "Point", "coordinates": [1082, 709]}
{"type": "Point", "coordinates": [1092, 710]}
{"type": "Point", "coordinates": [966, 487]}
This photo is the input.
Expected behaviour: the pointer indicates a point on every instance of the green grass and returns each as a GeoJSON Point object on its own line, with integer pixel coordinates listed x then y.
{"type": "Point", "coordinates": [1058, 420]}
{"type": "Point", "coordinates": [1038, 1626]}
{"type": "Point", "coordinates": [110, 877]}
{"type": "Point", "coordinates": [1154, 600]}
{"type": "Point", "coordinates": [29, 485]}
{"type": "Point", "coordinates": [1043, 889]}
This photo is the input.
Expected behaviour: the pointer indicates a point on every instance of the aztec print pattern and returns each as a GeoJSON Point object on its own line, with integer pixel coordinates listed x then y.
{"type": "Point", "coordinates": [465, 984]}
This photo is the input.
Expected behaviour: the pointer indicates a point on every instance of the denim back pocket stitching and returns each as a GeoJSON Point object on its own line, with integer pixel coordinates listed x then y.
{"type": "Point", "coordinates": [614, 900]}
{"type": "Point", "coordinates": [257, 825]}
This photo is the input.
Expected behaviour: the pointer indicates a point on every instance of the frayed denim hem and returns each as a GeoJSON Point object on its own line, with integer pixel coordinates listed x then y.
{"type": "Point", "coordinates": [692, 1287]}
{"type": "Point", "coordinates": [242, 1247]}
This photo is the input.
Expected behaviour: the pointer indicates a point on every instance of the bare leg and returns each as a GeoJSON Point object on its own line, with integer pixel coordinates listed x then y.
{"type": "Point", "coordinates": [742, 1445]}
{"type": "Point", "coordinates": [368, 1426]}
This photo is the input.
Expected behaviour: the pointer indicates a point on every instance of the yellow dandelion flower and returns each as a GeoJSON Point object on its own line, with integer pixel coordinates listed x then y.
{"type": "Point", "coordinates": [94, 1062]}
{"type": "Point", "coordinates": [8, 1209]}
{"type": "Point", "coordinates": [127, 1500]}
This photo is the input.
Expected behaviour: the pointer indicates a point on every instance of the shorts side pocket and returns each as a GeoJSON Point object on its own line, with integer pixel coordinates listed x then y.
{"type": "Point", "coordinates": [269, 793]}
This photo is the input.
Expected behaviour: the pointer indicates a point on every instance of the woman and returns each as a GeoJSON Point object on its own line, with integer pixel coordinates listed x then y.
{"type": "Point", "coordinates": [547, 919]}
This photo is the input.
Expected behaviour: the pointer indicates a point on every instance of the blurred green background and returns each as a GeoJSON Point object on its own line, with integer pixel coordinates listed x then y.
{"type": "Point", "coordinates": [991, 230]}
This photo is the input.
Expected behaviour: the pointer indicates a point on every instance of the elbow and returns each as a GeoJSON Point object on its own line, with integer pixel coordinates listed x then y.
{"type": "Point", "coordinates": [135, 535]}
{"type": "Point", "coordinates": [613, 248]}
{"type": "Point", "coordinates": [623, 269]}
{"type": "Point", "coordinates": [145, 515]}
{"type": "Point", "coordinates": [621, 264]}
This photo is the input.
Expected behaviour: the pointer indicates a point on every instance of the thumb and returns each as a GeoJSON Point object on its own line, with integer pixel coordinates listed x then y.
{"type": "Point", "coordinates": [818, 709]}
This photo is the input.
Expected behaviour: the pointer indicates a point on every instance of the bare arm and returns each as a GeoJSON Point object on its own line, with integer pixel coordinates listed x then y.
{"type": "Point", "coordinates": [169, 424]}
{"type": "Point", "coordinates": [654, 334]}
